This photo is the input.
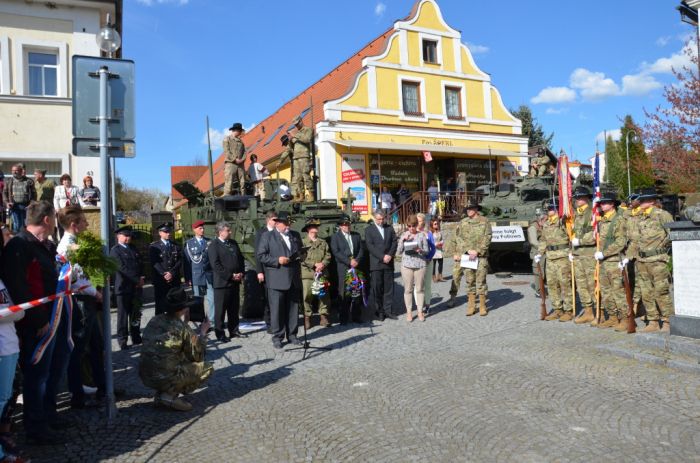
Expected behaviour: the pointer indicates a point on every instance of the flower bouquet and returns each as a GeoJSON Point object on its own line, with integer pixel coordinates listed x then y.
{"type": "Point", "coordinates": [355, 285]}
{"type": "Point", "coordinates": [319, 287]}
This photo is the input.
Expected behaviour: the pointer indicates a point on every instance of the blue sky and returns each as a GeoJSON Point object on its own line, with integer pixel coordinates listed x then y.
{"type": "Point", "coordinates": [581, 66]}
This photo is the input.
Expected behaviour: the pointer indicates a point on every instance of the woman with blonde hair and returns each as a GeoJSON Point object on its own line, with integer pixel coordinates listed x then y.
{"type": "Point", "coordinates": [412, 246]}
{"type": "Point", "coordinates": [89, 194]}
{"type": "Point", "coordinates": [427, 283]}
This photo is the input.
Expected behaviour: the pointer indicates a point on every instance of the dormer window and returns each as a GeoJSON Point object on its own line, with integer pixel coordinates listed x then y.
{"type": "Point", "coordinates": [430, 53]}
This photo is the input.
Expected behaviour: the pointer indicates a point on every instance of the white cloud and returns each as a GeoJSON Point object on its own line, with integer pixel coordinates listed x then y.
{"type": "Point", "coordinates": [556, 110]}
{"type": "Point", "coordinates": [216, 136]}
{"type": "Point", "coordinates": [639, 84]}
{"type": "Point", "coordinates": [477, 49]}
{"type": "Point", "coordinates": [379, 9]}
{"type": "Point", "coordinates": [614, 133]}
{"type": "Point", "coordinates": [554, 95]}
{"type": "Point", "coordinates": [162, 2]}
{"type": "Point", "coordinates": [666, 65]}
{"type": "Point", "coordinates": [594, 86]}
{"type": "Point", "coordinates": [663, 41]}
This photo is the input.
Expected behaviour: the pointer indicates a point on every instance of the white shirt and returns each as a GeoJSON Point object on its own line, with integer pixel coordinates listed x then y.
{"type": "Point", "coordinates": [257, 172]}
{"type": "Point", "coordinates": [285, 237]}
{"type": "Point", "coordinates": [67, 241]}
{"type": "Point", "coordinates": [381, 230]}
{"type": "Point", "coordinates": [9, 344]}
{"type": "Point", "coordinates": [387, 200]}
{"type": "Point", "coordinates": [348, 238]}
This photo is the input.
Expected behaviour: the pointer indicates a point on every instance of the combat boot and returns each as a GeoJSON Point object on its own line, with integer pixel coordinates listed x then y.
{"type": "Point", "coordinates": [610, 322]}
{"type": "Point", "coordinates": [307, 322]}
{"type": "Point", "coordinates": [586, 316]}
{"type": "Point", "coordinates": [596, 322]}
{"type": "Point", "coordinates": [482, 305]}
{"type": "Point", "coordinates": [471, 304]}
{"type": "Point", "coordinates": [665, 325]}
{"type": "Point", "coordinates": [325, 321]}
{"type": "Point", "coordinates": [451, 303]}
{"type": "Point", "coordinates": [555, 315]}
{"type": "Point", "coordinates": [568, 316]}
{"type": "Point", "coordinates": [622, 325]}
{"type": "Point", "coordinates": [652, 327]}
{"type": "Point", "coordinates": [170, 400]}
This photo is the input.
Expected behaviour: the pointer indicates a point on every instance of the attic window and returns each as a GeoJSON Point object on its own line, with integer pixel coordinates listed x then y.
{"type": "Point", "coordinates": [430, 54]}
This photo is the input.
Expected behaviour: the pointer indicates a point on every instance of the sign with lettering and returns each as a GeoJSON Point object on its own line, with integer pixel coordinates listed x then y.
{"type": "Point", "coordinates": [507, 234]}
{"type": "Point", "coordinates": [397, 170]}
{"type": "Point", "coordinates": [353, 174]}
{"type": "Point", "coordinates": [476, 173]}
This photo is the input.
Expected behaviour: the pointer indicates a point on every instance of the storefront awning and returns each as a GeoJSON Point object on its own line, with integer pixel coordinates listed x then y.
{"type": "Point", "coordinates": [373, 145]}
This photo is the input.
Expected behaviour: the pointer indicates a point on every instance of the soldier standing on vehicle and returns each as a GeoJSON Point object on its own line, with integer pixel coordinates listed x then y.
{"type": "Point", "coordinates": [234, 162]}
{"type": "Point", "coordinates": [474, 240]}
{"type": "Point", "coordinates": [554, 243]}
{"type": "Point", "coordinates": [654, 249]}
{"type": "Point", "coordinates": [582, 250]}
{"type": "Point", "coordinates": [301, 144]}
{"type": "Point", "coordinates": [613, 240]}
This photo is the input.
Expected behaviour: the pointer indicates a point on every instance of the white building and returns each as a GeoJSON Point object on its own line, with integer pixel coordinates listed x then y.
{"type": "Point", "coordinates": [37, 43]}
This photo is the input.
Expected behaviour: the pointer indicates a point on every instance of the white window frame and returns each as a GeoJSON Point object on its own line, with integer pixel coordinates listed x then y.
{"type": "Point", "coordinates": [463, 97]}
{"type": "Point", "coordinates": [22, 47]}
{"type": "Point", "coordinates": [421, 95]}
{"type": "Point", "coordinates": [434, 38]}
{"type": "Point", "coordinates": [4, 65]}
{"type": "Point", "coordinates": [42, 68]}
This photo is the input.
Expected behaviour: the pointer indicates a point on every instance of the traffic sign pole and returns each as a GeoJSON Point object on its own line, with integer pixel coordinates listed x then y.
{"type": "Point", "coordinates": [105, 207]}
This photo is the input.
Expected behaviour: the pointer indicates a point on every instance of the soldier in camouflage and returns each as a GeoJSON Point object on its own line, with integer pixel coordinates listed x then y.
{"type": "Point", "coordinates": [554, 243]}
{"type": "Point", "coordinates": [172, 355]}
{"type": "Point", "coordinates": [318, 257]}
{"type": "Point", "coordinates": [288, 153]}
{"type": "Point", "coordinates": [583, 248]}
{"type": "Point", "coordinates": [613, 240]}
{"type": "Point", "coordinates": [653, 247]}
{"type": "Point", "coordinates": [540, 164]}
{"type": "Point", "coordinates": [534, 231]}
{"type": "Point", "coordinates": [234, 161]}
{"type": "Point", "coordinates": [474, 239]}
{"type": "Point", "coordinates": [301, 175]}
{"type": "Point", "coordinates": [631, 215]}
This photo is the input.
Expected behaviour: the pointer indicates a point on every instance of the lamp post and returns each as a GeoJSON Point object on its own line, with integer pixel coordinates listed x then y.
{"type": "Point", "coordinates": [635, 138]}
{"type": "Point", "coordinates": [109, 41]}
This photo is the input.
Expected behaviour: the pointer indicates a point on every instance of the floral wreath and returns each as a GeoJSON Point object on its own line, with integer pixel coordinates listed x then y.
{"type": "Point", "coordinates": [320, 285]}
{"type": "Point", "coordinates": [355, 285]}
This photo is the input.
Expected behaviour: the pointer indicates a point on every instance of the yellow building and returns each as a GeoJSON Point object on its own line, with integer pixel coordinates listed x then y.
{"type": "Point", "coordinates": [410, 108]}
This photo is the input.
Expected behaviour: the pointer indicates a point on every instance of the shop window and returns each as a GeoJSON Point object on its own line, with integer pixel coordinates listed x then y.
{"type": "Point", "coordinates": [430, 54]}
{"type": "Point", "coordinates": [453, 103]}
{"type": "Point", "coordinates": [410, 94]}
{"type": "Point", "coordinates": [43, 74]}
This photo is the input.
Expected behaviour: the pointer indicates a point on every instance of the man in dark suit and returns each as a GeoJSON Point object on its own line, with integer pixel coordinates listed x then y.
{"type": "Point", "coordinates": [228, 266]}
{"type": "Point", "coordinates": [381, 246]}
{"type": "Point", "coordinates": [270, 218]}
{"type": "Point", "coordinates": [346, 247]}
{"type": "Point", "coordinates": [198, 270]}
{"type": "Point", "coordinates": [280, 251]}
{"type": "Point", "coordinates": [128, 282]}
{"type": "Point", "coordinates": [166, 264]}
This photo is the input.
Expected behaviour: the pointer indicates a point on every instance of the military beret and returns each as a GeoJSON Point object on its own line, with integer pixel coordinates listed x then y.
{"type": "Point", "coordinates": [197, 224]}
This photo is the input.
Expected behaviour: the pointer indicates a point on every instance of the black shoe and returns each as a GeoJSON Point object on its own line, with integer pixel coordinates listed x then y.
{"type": "Point", "coordinates": [380, 316]}
{"type": "Point", "coordinates": [357, 320]}
{"type": "Point", "coordinates": [391, 316]}
{"type": "Point", "coordinates": [295, 341]}
{"type": "Point", "coordinates": [45, 438]}
{"type": "Point", "coordinates": [124, 346]}
{"type": "Point", "coordinates": [236, 334]}
{"type": "Point", "coordinates": [277, 344]}
{"type": "Point", "coordinates": [221, 336]}
{"type": "Point", "coordinates": [136, 341]}
{"type": "Point", "coordinates": [426, 310]}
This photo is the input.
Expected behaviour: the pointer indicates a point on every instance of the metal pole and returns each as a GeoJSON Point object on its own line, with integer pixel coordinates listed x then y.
{"type": "Point", "coordinates": [104, 228]}
{"type": "Point", "coordinates": [627, 147]}
{"type": "Point", "coordinates": [113, 185]}
{"type": "Point", "coordinates": [211, 164]}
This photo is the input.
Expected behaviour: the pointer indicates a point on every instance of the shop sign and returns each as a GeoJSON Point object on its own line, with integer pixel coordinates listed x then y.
{"type": "Point", "coordinates": [353, 174]}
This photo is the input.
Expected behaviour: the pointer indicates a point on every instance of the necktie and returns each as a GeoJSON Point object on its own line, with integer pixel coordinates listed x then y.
{"type": "Point", "coordinates": [349, 239]}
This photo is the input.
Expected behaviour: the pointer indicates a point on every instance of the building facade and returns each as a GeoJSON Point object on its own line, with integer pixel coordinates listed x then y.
{"type": "Point", "coordinates": [37, 43]}
{"type": "Point", "coordinates": [409, 108]}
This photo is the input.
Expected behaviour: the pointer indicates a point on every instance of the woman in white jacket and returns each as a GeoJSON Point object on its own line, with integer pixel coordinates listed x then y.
{"type": "Point", "coordinates": [65, 194]}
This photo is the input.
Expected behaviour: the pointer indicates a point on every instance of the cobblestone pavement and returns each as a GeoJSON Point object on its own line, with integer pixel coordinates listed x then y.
{"type": "Point", "coordinates": [506, 387]}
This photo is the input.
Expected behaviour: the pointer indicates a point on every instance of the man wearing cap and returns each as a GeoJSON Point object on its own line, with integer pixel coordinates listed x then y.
{"type": "Point", "coordinates": [172, 356]}
{"type": "Point", "coordinates": [653, 249]}
{"type": "Point", "coordinates": [346, 247]}
{"type": "Point", "coordinates": [315, 264]}
{"type": "Point", "coordinates": [228, 269]}
{"type": "Point", "coordinates": [381, 245]}
{"type": "Point", "coordinates": [613, 240]}
{"type": "Point", "coordinates": [280, 251]}
{"type": "Point", "coordinates": [301, 173]}
{"type": "Point", "coordinates": [128, 284]}
{"type": "Point", "coordinates": [44, 186]}
{"type": "Point", "coordinates": [198, 272]}
{"type": "Point", "coordinates": [234, 161]}
{"type": "Point", "coordinates": [582, 250]}
{"type": "Point", "coordinates": [540, 165]}
{"type": "Point", "coordinates": [166, 262]}
{"type": "Point", "coordinates": [474, 240]}
{"type": "Point", "coordinates": [554, 243]}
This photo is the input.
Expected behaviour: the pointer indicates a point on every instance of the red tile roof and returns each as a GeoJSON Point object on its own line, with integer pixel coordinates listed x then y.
{"type": "Point", "coordinates": [263, 139]}
{"type": "Point", "coordinates": [181, 173]}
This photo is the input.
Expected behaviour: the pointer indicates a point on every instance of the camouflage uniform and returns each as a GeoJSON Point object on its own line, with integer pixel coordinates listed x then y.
{"type": "Point", "coordinates": [613, 239]}
{"type": "Point", "coordinates": [631, 223]}
{"type": "Point", "coordinates": [540, 165]}
{"type": "Point", "coordinates": [288, 153]}
{"type": "Point", "coordinates": [234, 149]}
{"type": "Point", "coordinates": [475, 234]}
{"type": "Point", "coordinates": [533, 238]}
{"type": "Point", "coordinates": [584, 263]}
{"type": "Point", "coordinates": [653, 246]}
{"type": "Point", "coordinates": [172, 356]}
{"type": "Point", "coordinates": [554, 243]}
{"type": "Point", "coordinates": [301, 175]}
{"type": "Point", "coordinates": [318, 252]}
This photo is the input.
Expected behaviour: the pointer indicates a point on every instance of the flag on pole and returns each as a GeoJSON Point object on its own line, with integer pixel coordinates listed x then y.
{"type": "Point", "coordinates": [596, 194]}
{"type": "Point", "coordinates": [566, 212]}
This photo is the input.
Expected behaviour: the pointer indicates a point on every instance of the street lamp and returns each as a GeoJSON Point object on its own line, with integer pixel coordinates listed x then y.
{"type": "Point", "coordinates": [635, 139]}
{"type": "Point", "coordinates": [108, 39]}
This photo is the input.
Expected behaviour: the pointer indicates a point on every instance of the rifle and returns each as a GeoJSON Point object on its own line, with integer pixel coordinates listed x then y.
{"type": "Point", "coordinates": [543, 303]}
{"type": "Point", "coordinates": [631, 323]}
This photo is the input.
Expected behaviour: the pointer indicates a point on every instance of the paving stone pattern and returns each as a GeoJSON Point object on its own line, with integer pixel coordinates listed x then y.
{"type": "Point", "coordinates": [506, 387]}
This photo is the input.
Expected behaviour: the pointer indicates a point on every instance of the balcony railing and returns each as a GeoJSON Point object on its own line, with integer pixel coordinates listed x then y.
{"type": "Point", "coordinates": [449, 205]}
